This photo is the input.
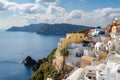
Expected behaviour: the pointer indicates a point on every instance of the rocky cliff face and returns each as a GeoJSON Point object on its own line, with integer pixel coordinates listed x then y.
{"type": "Point", "coordinates": [61, 29]}
{"type": "Point", "coordinates": [50, 29]}
{"type": "Point", "coordinates": [58, 61]}
{"type": "Point", "coordinates": [29, 62]}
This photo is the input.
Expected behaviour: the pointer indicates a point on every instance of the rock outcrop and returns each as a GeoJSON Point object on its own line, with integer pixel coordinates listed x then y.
{"type": "Point", "coordinates": [29, 62]}
{"type": "Point", "coordinates": [37, 65]}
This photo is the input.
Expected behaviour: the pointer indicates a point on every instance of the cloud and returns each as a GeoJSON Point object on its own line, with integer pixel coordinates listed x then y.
{"type": "Point", "coordinates": [56, 14]}
{"type": "Point", "coordinates": [53, 15]}
{"type": "Point", "coordinates": [21, 8]}
{"type": "Point", "coordinates": [75, 14]}
{"type": "Point", "coordinates": [14, 20]}
{"type": "Point", "coordinates": [46, 1]}
{"type": "Point", "coordinates": [5, 5]}
{"type": "Point", "coordinates": [53, 10]}
{"type": "Point", "coordinates": [30, 8]}
{"type": "Point", "coordinates": [93, 18]}
{"type": "Point", "coordinates": [38, 13]}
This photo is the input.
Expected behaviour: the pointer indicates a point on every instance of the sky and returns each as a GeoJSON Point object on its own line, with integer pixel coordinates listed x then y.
{"type": "Point", "coordinates": [80, 12]}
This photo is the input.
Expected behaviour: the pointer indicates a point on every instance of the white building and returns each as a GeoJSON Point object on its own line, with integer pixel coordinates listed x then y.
{"type": "Point", "coordinates": [111, 45]}
{"type": "Point", "coordinates": [99, 46]}
{"type": "Point", "coordinates": [76, 50]}
{"type": "Point", "coordinates": [99, 69]}
{"type": "Point", "coordinates": [112, 71]}
{"type": "Point", "coordinates": [100, 72]}
{"type": "Point", "coordinates": [74, 56]}
{"type": "Point", "coordinates": [77, 75]}
{"type": "Point", "coordinates": [89, 52]}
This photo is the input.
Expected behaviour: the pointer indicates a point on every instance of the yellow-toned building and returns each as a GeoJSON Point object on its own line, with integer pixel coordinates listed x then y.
{"type": "Point", "coordinates": [116, 26]}
{"type": "Point", "coordinates": [75, 37]}
{"type": "Point", "coordinates": [116, 29]}
{"type": "Point", "coordinates": [63, 43]}
{"type": "Point", "coordinates": [86, 61]}
{"type": "Point", "coordinates": [102, 56]}
{"type": "Point", "coordinates": [70, 38]}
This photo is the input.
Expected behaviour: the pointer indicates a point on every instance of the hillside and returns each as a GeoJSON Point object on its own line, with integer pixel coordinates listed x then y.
{"type": "Point", "coordinates": [29, 28]}
{"type": "Point", "coordinates": [51, 29]}
{"type": "Point", "coordinates": [61, 29]}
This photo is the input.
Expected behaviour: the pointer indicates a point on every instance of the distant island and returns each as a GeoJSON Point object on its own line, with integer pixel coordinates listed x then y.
{"type": "Point", "coordinates": [28, 28]}
{"type": "Point", "coordinates": [51, 29]}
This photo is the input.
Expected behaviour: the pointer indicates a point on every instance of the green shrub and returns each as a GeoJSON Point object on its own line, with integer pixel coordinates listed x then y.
{"type": "Point", "coordinates": [46, 69]}
{"type": "Point", "coordinates": [51, 55]}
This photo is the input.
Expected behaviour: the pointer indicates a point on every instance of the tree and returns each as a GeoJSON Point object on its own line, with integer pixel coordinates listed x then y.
{"type": "Point", "coordinates": [64, 53]}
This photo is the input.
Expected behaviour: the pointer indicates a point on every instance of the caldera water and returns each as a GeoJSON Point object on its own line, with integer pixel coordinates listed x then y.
{"type": "Point", "coordinates": [16, 46]}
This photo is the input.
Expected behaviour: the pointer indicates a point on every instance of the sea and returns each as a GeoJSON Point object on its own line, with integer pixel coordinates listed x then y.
{"type": "Point", "coordinates": [16, 46]}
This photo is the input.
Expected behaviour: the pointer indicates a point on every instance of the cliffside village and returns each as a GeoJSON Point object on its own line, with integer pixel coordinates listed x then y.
{"type": "Point", "coordinates": [93, 55]}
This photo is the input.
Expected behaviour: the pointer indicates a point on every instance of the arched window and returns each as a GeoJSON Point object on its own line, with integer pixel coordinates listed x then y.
{"type": "Point", "coordinates": [118, 71]}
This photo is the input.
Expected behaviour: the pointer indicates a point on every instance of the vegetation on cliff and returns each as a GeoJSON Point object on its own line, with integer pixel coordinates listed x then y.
{"type": "Point", "coordinates": [51, 56]}
{"type": "Point", "coordinates": [29, 62]}
{"type": "Point", "coordinates": [64, 53]}
{"type": "Point", "coordinates": [46, 69]}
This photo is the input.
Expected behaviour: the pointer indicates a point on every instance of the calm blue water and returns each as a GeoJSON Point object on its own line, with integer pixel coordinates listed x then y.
{"type": "Point", "coordinates": [15, 46]}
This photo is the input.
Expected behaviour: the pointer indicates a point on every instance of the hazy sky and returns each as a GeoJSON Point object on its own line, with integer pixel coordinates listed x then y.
{"type": "Point", "coordinates": [83, 12]}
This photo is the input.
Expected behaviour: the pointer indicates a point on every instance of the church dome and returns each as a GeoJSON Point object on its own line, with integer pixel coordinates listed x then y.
{"type": "Point", "coordinates": [98, 27]}
{"type": "Point", "coordinates": [101, 33]}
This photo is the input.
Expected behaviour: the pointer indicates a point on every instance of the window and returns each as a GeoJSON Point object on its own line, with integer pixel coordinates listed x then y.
{"type": "Point", "coordinates": [80, 36]}
{"type": "Point", "coordinates": [118, 71]}
{"type": "Point", "coordinates": [99, 48]}
{"type": "Point", "coordinates": [101, 45]}
{"type": "Point", "coordinates": [107, 46]}
{"type": "Point", "coordinates": [69, 37]}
